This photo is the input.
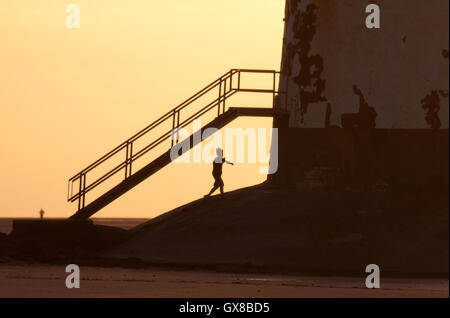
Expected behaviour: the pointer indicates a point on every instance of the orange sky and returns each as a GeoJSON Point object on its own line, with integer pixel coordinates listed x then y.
{"type": "Point", "coordinates": [69, 96]}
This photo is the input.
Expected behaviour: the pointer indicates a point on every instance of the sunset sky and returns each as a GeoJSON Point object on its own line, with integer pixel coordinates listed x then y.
{"type": "Point", "coordinates": [69, 96]}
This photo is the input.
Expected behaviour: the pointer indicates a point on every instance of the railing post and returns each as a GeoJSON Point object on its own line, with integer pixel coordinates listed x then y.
{"type": "Point", "coordinates": [220, 97]}
{"type": "Point", "coordinates": [131, 158]}
{"type": "Point", "coordinates": [231, 80]}
{"type": "Point", "coordinates": [81, 194]}
{"type": "Point", "coordinates": [173, 127]}
{"type": "Point", "coordinates": [224, 95]}
{"type": "Point", "coordinates": [69, 194]}
{"type": "Point", "coordinates": [80, 190]}
{"type": "Point", "coordinates": [178, 126]}
{"type": "Point", "coordinates": [128, 159]}
{"type": "Point", "coordinates": [239, 80]}
{"type": "Point", "coordinates": [274, 87]}
{"type": "Point", "coordinates": [84, 189]}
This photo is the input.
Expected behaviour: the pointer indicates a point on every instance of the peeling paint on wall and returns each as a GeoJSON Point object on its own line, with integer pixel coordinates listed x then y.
{"type": "Point", "coordinates": [432, 104]}
{"type": "Point", "coordinates": [327, 49]}
{"type": "Point", "coordinates": [302, 67]}
{"type": "Point", "coordinates": [309, 81]}
{"type": "Point", "coordinates": [364, 118]}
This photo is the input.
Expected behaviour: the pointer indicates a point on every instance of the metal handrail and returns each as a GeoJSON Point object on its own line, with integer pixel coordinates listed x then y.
{"type": "Point", "coordinates": [226, 90]}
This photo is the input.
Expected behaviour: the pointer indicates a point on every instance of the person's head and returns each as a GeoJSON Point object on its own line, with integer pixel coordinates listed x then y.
{"type": "Point", "coordinates": [219, 152]}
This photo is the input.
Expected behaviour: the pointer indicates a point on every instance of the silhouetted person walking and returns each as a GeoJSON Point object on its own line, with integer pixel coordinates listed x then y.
{"type": "Point", "coordinates": [217, 172]}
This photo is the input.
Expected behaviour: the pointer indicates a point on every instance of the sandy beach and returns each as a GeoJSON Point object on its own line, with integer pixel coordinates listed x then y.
{"type": "Point", "coordinates": [20, 280]}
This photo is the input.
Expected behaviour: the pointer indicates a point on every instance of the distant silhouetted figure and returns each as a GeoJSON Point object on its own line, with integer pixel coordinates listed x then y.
{"type": "Point", "coordinates": [41, 213]}
{"type": "Point", "coordinates": [217, 172]}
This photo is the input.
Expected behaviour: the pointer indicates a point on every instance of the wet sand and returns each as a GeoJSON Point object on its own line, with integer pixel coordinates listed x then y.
{"type": "Point", "coordinates": [49, 281]}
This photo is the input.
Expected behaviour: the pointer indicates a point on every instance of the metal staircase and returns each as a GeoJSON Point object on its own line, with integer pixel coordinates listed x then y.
{"type": "Point", "coordinates": [227, 85]}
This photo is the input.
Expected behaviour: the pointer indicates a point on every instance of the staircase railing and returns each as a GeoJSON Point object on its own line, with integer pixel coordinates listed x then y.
{"type": "Point", "coordinates": [227, 85]}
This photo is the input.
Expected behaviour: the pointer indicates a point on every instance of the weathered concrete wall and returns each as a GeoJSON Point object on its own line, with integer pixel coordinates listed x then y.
{"type": "Point", "coordinates": [392, 77]}
{"type": "Point", "coordinates": [380, 160]}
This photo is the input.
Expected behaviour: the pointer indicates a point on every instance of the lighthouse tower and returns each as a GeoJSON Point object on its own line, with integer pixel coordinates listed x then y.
{"type": "Point", "coordinates": [367, 105]}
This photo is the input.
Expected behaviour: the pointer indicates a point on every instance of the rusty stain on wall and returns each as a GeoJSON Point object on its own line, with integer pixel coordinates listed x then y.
{"type": "Point", "coordinates": [309, 80]}
{"type": "Point", "coordinates": [432, 104]}
{"type": "Point", "coordinates": [365, 118]}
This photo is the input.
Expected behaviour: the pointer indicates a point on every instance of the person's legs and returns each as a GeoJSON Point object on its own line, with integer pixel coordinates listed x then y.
{"type": "Point", "coordinates": [221, 185]}
{"type": "Point", "coordinates": [217, 183]}
{"type": "Point", "coordinates": [212, 191]}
